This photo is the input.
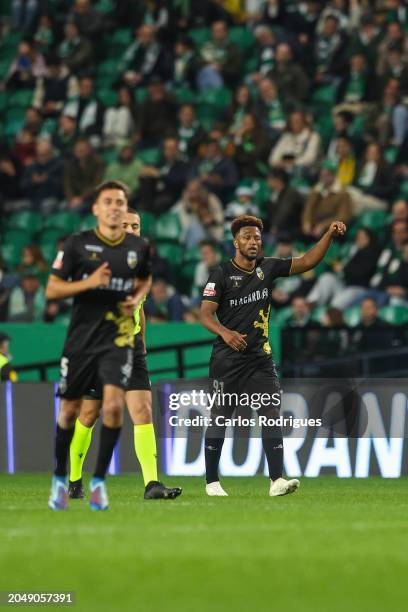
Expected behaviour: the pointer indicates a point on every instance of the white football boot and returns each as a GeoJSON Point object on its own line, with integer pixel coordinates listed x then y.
{"type": "Point", "coordinates": [214, 489]}
{"type": "Point", "coordinates": [280, 486]}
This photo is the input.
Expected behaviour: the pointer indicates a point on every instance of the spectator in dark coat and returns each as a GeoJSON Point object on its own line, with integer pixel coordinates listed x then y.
{"type": "Point", "coordinates": [285, 206]}
{"type": "Point", "coordinates": [157, 114]}
{"type": "Point", "coordinates": [216, 172]}
{"type": "Point", "coordinates": [145, 58]}
{"type": "Point", "coordinates": [220, 60]}
{"type": "Point", "coordinates": [82, 174]}
{"type": "Point", "coordinates": [75, 50]}
{"type": "Point", "coordinates": [253, 145]}
{"type": "Point", "coordinates": [55, 88]}
{"type": "Point", "coordinates": [289, 76]}
{"type": "Point", "coordinates": [87, 110]}
{"type": "Point", "coordinates": [10, 175]}
{"type": "Point", "coordinates": [42, 180]}
{"type": "Point", "coordinates": [330, 52]}
{"type": "Point", "coordinates": [161, 186]}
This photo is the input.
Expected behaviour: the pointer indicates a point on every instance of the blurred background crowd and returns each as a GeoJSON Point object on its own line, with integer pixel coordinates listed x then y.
{"type": "Point", "coordinates": [293, 111]}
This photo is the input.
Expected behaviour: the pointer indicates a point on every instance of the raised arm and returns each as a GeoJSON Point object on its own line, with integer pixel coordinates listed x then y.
{"type": "Point", "coordinates": [208, 319]}
{"type": "Point", "coordinates": [314, 256]}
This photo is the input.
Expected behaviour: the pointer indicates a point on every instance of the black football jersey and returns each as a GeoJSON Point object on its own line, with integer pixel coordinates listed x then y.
{"type": "Point", "coordinates": [96, 321]}
{"type": "Point", "coordinates": [244, 303]}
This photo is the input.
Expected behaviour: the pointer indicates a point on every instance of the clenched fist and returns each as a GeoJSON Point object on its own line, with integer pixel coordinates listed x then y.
{"type": "Point", "coordinates": [337, 228]}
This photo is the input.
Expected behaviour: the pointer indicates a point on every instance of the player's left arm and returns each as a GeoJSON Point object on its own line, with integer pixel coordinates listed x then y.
{"type": "Point", "coordinates": [314, 256]}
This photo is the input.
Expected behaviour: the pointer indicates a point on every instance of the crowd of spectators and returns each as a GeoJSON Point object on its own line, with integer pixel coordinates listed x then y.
{"type": "Point", "coordinates": [293, 111]}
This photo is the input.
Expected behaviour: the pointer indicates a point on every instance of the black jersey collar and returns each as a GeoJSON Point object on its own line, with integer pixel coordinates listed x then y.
{"type": "Point", "coordinates": [242, 269]}
{"type": "Point", "coordinates": [107, 241]}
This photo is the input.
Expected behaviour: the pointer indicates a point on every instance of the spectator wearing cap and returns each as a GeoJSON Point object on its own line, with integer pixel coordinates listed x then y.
{"type": "Point", "coordinates": [75, 50]}
{"type": "Point", "coordinates": [326, 202]}
{"type": "Point", "coordinates": [298, 149]}
{"type": "Point", "coordinates": [243, 204]}
{"type": "Point", "coordinates": [285, 205]}
{"type": "Point", "coordinates": [219, 60]}
{"type": "Point", "coordinates": [157, 114]}
{"type": "Point", "coordinates": [217, 172]}
{"type": "Point", "coordinates": [27, 301]}
{"type": "Point", "coordinates": [144, 58]}
{"type": "Point", "coordinates": [6, 369]}
{"type": "Point", "coordinates": [53, 89]}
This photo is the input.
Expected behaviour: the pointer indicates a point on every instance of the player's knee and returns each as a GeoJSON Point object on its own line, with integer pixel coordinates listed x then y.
{"type": "Point", "coordinates": [142, 413]}
{"type": "Point", "coordinates": [113, 413]}
{"type": "Point", "coordinates": [68, 413]}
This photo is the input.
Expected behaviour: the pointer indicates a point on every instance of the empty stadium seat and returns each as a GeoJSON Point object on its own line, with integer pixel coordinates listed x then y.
{"type": "Point", "coordinates": [168, 228]}
{"type": "Point", "coordinates": [148, 223]}
{"type": "Point", "coordinates": [13, 242]}
{"type": "Point", "coordinates": [352, 315]}
{"type": "Point", "coordinates": [171, 251]}
{"type": "Point", "coordinates": [66, 222]}
{"type": "Point", "coordinates": [394, 314]}
{"type": "Point", "coordinates": [373, 219]}
{"type": "Point", "coordinates": [20, 98]}
{"type": "Point", "coordinates": [89, 222]}
{"type": "Point", "coordinates": [26, 220]}
{"type": "Point", "coordinates": [149, 156]}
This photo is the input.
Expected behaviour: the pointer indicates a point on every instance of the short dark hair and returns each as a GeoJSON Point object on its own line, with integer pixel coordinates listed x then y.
{"type": "Point", "coordinates": [132, 211]}
{"type": "Point", "coordinates": [245, 221]}
{"type": "Point", "coordinates": [112, 185]}
{"type": "Point", "coordinates": [280, 174]}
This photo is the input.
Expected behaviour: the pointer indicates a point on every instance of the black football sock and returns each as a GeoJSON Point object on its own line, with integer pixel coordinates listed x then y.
{"type": "Point", "coordinates": [272, 443]}
{"type": "Point", "coordinates": [63, 439]}
{"type": "Point", "coordinates": [212, 451]}
{"type": "Point", "coordinates": [109, 437]}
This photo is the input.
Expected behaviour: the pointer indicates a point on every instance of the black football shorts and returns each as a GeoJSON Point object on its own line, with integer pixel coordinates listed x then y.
{"type": "Point", "coordinates": [83, 371]}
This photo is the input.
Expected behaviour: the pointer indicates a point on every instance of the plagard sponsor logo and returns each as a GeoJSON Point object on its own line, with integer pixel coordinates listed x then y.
{"type": "Point", "coordinates": [380, 450]}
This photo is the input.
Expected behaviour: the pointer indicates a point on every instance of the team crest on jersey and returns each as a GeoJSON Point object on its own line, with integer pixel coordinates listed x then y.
{"type": "Point", "coordinates": [260, 273]}
{"type": "Point", "coordinates": [132, 259]}
{"type": "Point", "coordinates": [209, 290]}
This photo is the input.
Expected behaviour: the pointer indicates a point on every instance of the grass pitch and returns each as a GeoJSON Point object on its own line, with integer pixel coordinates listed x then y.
{"type": "Point", "coordinates": [337, 545]}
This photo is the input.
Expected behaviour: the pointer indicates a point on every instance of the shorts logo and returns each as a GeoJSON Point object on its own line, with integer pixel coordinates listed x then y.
{"type": "Point", "coordinates": [209, 290]}
{"type": "Point", "coordinates": [57, 265]}
{"type": "Point", "coordinates": [132, 259]}
{"type": "Point", "coordinates": [259, 273]}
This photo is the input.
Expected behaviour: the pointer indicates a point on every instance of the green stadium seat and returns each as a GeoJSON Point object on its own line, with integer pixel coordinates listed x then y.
{"type": "Point", "coordinates": [108, 97]}
{"type": "Point", "coordinates": [141, 94]}
{"type": "Point", "coordinates": [318, 313]}
{"type": "Point", "coordinates": [110, 155]}
{"type": "Point", "coordinates": [20, 99]}
{"type": "Point", "coordinates": [210, 104]}
{"type": "Point", "coordinates": [243, 38]}
{"type": "Point", "coordinates": [373, 219]}
{"type": "Point", "coordinates": [89, 222]}
{"type": "Point", "coordinates": [170, 251]}
{"type": "Point", "coordinates": [168, 228]}
{"type": "Point", "coordinates": [13, 242]}
{"type": "Point", "coordinates": [281, 316]}
{"type": "Point", "coordinates": [121, 38]}
{"type": "Point", "coordinates": [26, 220]}
{"type": "Point", "coordinates": [352, 315]}
{"type": "Point", "coordinates": [148, 223]}
{"type": "Point", "coordinates": [105, 6]}
{"type": "Point", "coordinates": [390, 154]}
{"type": "Point", "coordinates": [14, 121]}
{"type": "Point", "coordinates": [193, 254]}
{"type": "Point", "coordinates": [65, 222]}
{"type": "Point", "coordinates": [403, 192]}
{"type": "Point", "coordinates": [149, 157]}
{"type": "Point", "coordinates": [200, 36]}
{"type": "Point", "coordinates": [185, 95]}
{"type": "Point", "coordinates": [394, 314]}
{"type": "Point", "coordinates": [324, 96]}
{"type": "Point", "coordinates": [4, 64]}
